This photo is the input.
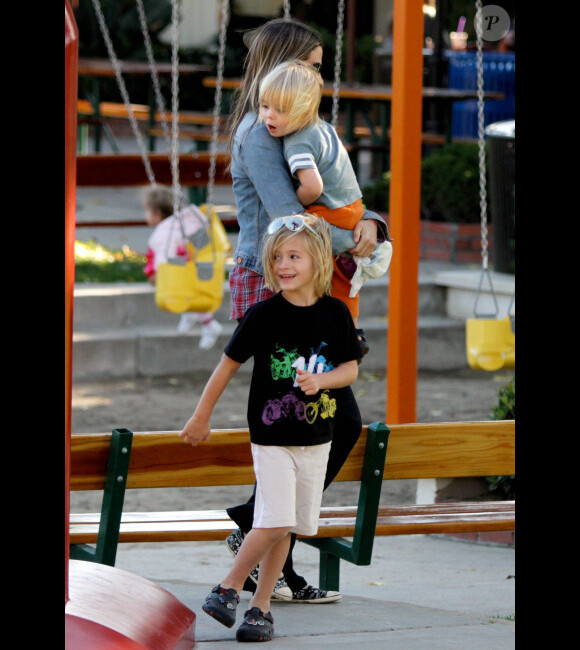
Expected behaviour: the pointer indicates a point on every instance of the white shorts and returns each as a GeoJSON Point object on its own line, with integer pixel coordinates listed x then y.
{"type": "Point", "coordinates": [289, 486]}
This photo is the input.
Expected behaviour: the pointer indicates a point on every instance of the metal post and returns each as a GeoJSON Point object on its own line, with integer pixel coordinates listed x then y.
{"type": "Point", "coordinates": [404, 210]}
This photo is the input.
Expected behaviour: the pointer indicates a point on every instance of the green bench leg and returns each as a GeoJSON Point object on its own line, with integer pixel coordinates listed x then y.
{"type": "Point", "coordinates": [329, 572]}
{"type": "Point", "coordinates": [105, 551]}
{"type": "Point", "coordinates": [359, 550]}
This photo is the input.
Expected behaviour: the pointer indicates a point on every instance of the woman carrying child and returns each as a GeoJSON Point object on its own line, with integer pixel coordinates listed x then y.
{"type": "Point", "coordinates": [264, 191]}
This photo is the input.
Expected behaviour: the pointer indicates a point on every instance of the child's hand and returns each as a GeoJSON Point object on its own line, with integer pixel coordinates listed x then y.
{"type": "Point", "coordinates": [195, 431]}
{"type": "Point", "coordinates": [308, 382]}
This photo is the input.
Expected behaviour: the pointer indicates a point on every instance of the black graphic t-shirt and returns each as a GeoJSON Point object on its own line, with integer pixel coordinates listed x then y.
{"type": "Point", "coordinates": [282, 337]}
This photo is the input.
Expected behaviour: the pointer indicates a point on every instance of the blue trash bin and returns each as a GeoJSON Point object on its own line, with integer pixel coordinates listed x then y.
{"type": "Point", "coordinates": [498, 75]}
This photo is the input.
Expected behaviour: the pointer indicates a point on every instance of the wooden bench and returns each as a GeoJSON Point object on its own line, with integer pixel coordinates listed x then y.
{"type": "Point", "coordinates": [111, 111]}
{"type": "Point", "coordinates": [124, 460]}
{"type": "Point", "coordinates": [114, 110]}
{"type": "Point", "coordinates": [202, 137]}
{"type": "Point", "coordinates": [375, 135]}
{"type": "Point", "coordinates": [128, 170]}
{"type": "Point", "coordinates": [122, 170]}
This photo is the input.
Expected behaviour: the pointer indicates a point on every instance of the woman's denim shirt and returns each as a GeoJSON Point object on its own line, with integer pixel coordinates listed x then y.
{"type": "Point", "coordinates": [264, 191]}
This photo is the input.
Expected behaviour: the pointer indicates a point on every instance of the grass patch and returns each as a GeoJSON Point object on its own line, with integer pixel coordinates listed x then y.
{"type": "Point", "coordinates": [96, 263]}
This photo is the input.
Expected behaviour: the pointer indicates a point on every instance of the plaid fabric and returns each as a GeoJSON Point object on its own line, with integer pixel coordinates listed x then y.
{"type": "Point", "coordinates": [246, 288]}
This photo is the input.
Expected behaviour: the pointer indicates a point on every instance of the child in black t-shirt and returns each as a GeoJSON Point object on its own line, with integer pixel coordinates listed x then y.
{"type": "Point", "coordinates": [304, 345]}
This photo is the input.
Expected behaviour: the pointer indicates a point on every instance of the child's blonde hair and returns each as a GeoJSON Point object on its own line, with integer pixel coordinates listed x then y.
{"type": "Point", "coordinates": [278, 40]}
{"type": "Point", "coordinates": [295, 88]}
{"type": "Point", "coordinates": [318, 247]}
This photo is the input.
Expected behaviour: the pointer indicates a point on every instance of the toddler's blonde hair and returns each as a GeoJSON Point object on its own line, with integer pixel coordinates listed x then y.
{"type": "Point", "coordinates": [278, 40]}
{"type": "Point", "coordinates": [319, 248]}
{"type": "Point", "coordinates": [295, 88]}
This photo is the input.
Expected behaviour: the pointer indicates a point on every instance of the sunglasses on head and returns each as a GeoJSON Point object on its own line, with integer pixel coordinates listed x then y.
{"type": "Point", "coordinates": [296, 223]}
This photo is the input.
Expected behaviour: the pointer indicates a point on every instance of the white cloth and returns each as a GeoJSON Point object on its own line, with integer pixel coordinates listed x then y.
{"type": "Point", "coordinates": [371, 267]}
{"type": "Point", "coordinates": [289, 486]}
{"type": "Point", "coordinates": [168, 237]}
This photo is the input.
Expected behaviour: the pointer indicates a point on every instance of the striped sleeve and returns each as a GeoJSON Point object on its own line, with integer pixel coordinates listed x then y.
{"type": "Point", "coordinates": [302, 160]}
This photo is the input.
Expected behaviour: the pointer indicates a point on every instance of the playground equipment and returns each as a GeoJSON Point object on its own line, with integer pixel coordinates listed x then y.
{"type": "Point", "coordinates": [195, 283]}
{"type": "Point", "coordinates": [490, 341]}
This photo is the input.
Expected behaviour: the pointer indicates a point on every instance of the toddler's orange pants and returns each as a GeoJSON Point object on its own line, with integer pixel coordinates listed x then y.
{"type": "Point", "coordinates": [347, 218]}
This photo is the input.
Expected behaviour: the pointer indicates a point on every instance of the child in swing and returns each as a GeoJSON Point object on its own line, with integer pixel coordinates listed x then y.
{"type": "Point", "coordinates": [327, 187]}
{"type": "Point", "coordinates": [304, 345]}
{"type": "Point", "coordinates": [167, 241]}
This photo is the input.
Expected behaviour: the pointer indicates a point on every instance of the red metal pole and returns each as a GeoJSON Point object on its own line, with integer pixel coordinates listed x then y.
{"type": "Point", "coordinates": [71, 44]}
{"type": "Point", "coordinates": [404, 210]}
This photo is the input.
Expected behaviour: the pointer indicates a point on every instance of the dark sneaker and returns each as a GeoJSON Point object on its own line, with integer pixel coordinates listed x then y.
{"type": "Point", "coordinates": [234, 541]}
{"type": "Point", "coordinates": [281, 591]}
{"type": "Point", "coordinates": [221, 604]}
{"type": "Point", "coordinates": [257, 626]}
{"type": "Point", "coordinates": [314, 595]}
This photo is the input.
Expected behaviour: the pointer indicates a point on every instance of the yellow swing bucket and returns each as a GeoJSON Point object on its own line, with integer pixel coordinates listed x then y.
{"type": "Point", "coordinates": [179, 287]}
{"type": "Point", "coordinates": [491, 343]}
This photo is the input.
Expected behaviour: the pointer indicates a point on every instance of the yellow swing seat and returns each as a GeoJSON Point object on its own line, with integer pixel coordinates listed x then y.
{"type": "Point", "coordinates": [182, 288]}
{"type": "Point", "coordinates": [491, 343]}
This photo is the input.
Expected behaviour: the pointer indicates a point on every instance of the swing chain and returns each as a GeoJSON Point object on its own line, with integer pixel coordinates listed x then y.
{"type": "Point", "coordinates": [485, 272]}
{"type": "Point", "coordinates": [482, 166]}
{"type": "Point", "coordinates": [153, 68]}
{"type": "Point", "coordinates": [225, 17]}
{"type": "Point", "coordinates": [481, 134]}
{"type": "Point", "coordinates": [123, 90]}
{"type": "Point", "coordinates": [175, 105]}
{"type": "Point", "coordinates": [337, 61]}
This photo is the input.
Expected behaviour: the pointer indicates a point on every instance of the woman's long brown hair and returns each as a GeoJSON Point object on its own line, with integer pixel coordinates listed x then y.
{"type": "Point", "coordinates": [276, 41]}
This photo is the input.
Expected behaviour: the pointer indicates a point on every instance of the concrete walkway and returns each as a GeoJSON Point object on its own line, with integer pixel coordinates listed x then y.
{"type": "Point", "coordinates": [419, 592]}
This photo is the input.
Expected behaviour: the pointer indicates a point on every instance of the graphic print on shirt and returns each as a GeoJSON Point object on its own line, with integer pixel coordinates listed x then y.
{"type": "Point", "coordinates": [283, 365]}
{"type": "Point", "coordinates": [287, 408]}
